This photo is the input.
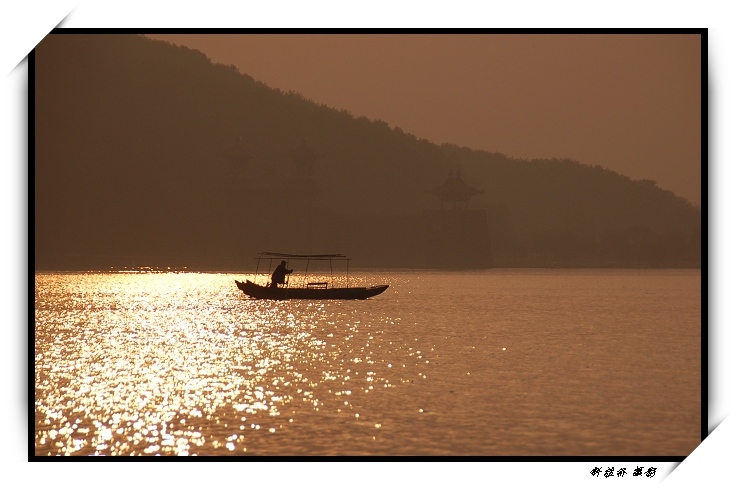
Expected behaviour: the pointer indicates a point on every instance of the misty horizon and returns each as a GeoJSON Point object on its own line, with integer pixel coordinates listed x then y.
{"type": "Point", "coordinates": [665, 68]}
{"type": "Point", "coordinates": [146, 149]}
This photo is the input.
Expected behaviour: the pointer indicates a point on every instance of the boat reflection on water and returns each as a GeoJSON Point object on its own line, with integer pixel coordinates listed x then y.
{"type": "Point", "coordinates": [310, 290]}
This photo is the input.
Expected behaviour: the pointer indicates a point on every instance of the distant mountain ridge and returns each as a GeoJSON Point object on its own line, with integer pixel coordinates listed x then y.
{"type": "Point", "coordinates": [149, 154]}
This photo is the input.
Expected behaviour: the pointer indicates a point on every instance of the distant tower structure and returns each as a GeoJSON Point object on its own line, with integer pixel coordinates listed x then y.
{"type": "Point", "coordinates": [455, 191]}
{"type": "Point", "coordinates": [457, 237]}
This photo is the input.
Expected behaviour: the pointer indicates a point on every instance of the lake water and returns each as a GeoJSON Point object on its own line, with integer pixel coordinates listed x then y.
{"type": "Point", "coordinates": [500, 362]}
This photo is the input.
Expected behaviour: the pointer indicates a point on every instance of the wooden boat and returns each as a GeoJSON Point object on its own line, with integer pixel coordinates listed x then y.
{"type": "Point", "coordinates": [308, 290]}
{"type": "Point", "coordinates": [261, 292]}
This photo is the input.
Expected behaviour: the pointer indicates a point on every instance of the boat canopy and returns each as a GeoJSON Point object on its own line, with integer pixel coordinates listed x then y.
{"type": "Point", "coordinates": [276, 255]}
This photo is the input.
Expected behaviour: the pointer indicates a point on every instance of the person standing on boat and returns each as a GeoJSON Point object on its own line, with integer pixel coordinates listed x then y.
{"type": "Point", "coordinates": [279, 274]}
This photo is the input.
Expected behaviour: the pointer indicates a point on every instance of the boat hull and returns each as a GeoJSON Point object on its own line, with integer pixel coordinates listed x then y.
{"type": "Point", "coordinates": [260, 292]}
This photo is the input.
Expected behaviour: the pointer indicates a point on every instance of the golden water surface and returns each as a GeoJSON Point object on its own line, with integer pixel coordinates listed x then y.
{"type": "Point", "coordinates": [489, 363]}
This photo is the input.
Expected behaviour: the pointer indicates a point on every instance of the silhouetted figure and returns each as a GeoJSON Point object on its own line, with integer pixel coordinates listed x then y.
{"type": "Point", "coordinates": [279, 274]}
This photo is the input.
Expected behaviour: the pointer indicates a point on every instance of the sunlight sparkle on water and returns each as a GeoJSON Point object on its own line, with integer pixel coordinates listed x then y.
{"type": "Point", "coordinates": [150, 364]}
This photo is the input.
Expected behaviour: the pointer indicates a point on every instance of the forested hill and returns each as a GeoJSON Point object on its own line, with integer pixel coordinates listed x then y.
{"type": "Point", "coordinates": [149, 153]}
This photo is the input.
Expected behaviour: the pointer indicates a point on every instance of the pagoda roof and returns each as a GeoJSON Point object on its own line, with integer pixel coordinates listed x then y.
{"type": "Point", "coordinates": [455, 189]}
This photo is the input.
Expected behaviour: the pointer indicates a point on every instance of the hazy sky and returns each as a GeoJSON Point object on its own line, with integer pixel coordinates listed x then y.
{"type": "Point", "coordinates": [630, 103]}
